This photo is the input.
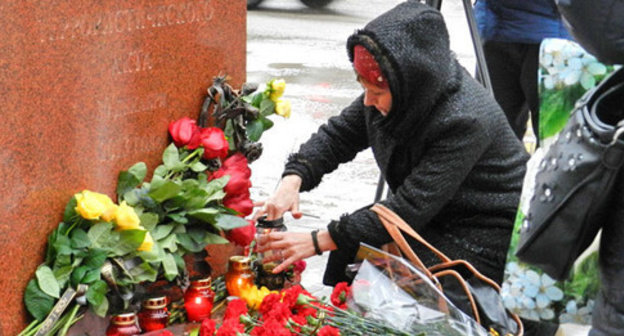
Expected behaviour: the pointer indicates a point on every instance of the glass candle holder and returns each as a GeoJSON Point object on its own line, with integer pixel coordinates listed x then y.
{"type": "Point", "coordinates": [239, 275]}
{"type": "Point", "coordinates": [154, 314]}
{"type": "Point", "coordinates": [123, 325]}
{"type": "Point", "coordinates": [198, 300]}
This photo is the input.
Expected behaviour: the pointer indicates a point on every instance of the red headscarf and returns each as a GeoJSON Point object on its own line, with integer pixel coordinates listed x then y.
{"type": "Point", "coordinates": [365, 65]}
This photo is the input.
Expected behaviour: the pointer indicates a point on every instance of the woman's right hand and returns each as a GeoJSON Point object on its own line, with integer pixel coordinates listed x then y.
{"type": "Point", "coordinates": [285, 198]}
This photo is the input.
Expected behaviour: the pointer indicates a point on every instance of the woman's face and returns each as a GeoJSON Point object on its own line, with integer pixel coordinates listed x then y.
{"type": "Point", "coordinates": [376, 96]}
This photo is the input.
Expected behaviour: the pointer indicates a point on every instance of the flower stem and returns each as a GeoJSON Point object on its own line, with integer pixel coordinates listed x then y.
{"type": "Point", "coordinates": [28, 328]}
{"type": "Point", "coordinates": [70, 320]}
{"type": "Point", "coordinates": [190, 156]}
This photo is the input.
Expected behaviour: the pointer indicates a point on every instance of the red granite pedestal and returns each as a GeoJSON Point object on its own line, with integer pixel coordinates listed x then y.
{"type": "Point", "coordinates": [87, 89]}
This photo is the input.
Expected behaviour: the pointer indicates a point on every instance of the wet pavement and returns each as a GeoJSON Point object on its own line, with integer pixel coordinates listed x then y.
{"type": "Point", "coordinates": [306, 47]}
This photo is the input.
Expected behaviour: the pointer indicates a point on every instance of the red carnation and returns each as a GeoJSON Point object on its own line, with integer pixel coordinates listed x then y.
{"type": "Point", "coordinates": [214, 143]}
{"type": "Point", "coordinates": [242, 236]}
{"type": "Point", "coordinates": [165, 333]}
{"type": "Point", "coordinates": [183, 131]}
{"type": "Point", "coordinates": [271, 327]}
{"type": "Point", "coordinates": [231, 327]}
{"type": "Point", "coordinates": [235, 309]}
{"type": "Point", "coordinates": [328, 331]}
{"type": "Point", "coordinates": [299, 266]}
{"type": "Point", "coordinates": [339, 295]}
{"type": "Point", "coordinates": [278, 311]}
{"type": "Point", "coordinates": [208, 327]}
{"type": "Point", "coordinates": [268, 302]}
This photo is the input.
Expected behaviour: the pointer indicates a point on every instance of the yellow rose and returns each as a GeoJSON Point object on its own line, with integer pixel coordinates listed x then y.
{"type": "Point", "coordinates": [254, 296]}
{"type": "Point", "coordinates": [89, 205]}
{"type": "Point", "coordinates": [277, 89]}
{"type": "Point", "coordinates": [147, 244]}
{"type": "Point", "coordinates": [282, 108]}
{"type": "Point", "coordinates": [126, 218]}
{"type": "Point", "coordinates": [111, 208]}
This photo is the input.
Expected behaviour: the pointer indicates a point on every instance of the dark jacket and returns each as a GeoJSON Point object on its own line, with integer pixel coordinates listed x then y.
{"type": "Point", "coordinates": [519, 21]}
{"type": "Point", "coordinates": [446, 150]}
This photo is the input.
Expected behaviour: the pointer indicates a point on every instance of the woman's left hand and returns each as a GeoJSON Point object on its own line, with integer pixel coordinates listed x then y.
{"type": "Point", "coordinates": [292, 246]}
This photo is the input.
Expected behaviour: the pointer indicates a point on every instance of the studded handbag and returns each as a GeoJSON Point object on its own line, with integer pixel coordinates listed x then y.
{"type": "Point", "coordinates": [573, 183]}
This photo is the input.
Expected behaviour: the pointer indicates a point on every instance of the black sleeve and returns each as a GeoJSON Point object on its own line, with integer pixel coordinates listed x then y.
{"type": "Point", "coordinates": [335, 142]}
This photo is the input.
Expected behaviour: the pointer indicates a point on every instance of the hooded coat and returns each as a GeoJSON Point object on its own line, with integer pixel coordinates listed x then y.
{"type": "Point", "coordinates": [446, 150]}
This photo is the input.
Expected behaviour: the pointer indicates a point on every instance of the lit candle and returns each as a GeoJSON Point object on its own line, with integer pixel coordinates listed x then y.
{"type": "Point", "coordinates": [198, 300]}
{"type": "Point", "coordinates": [154, 314]}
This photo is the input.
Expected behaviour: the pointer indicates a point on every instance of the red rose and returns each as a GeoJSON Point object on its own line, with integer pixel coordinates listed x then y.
{"type": "Point", "coordinates": [208, 327]}
{"type": "Point", "coordinates": [183, 131]}
{"type": "Point", "coordinates": [238, 183]}
{"type": "Point", "coordinates": [339, 295]}
{"type": "Point", "coordinates": [240, 203]}
{"type": "Point", "coordinates": [214, 143]}
{"type": "Point", "coordinates": [242, 236]}
{"type": "Point", "coordinates": [237, 162]}
{"type": "Point", "coordinates": [235, 309]}
{"type": "Point", "coordinates": [328, 331]}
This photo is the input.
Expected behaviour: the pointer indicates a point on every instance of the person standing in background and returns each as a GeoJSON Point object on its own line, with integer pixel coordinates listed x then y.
{"type": "Point", "coordinates": [511, 32]}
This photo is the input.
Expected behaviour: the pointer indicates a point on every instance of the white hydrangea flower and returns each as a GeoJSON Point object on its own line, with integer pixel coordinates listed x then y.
{"type": "Point", "coordinates": [565, 63]}
{"type": "Point", "coordinates": [573, 314]}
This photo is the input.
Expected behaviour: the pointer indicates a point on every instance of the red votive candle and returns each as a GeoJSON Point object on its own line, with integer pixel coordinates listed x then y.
{"type": "Point", "coordinates": [154, 314]}
{"type": "Point", "coordinates": [198, 300]}
{"type": "Point", "coordinates": [123, 325]}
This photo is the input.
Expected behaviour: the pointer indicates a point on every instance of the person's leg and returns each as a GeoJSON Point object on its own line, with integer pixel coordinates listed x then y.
{"type": "Point", "coordinates": [608, 315]}
{"type": "Point", "coordinates": [529, 80]}
{"type": "Point", "coordinates": [504, 62]}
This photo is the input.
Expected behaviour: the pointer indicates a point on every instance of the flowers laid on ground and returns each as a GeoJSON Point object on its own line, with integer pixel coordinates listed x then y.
{"type": "Point", "coordinates": [294, 311]}
{"type": "Point", "coordinates": [105, 253]}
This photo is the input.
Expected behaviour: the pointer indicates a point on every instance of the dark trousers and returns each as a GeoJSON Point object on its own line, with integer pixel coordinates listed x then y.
{"type": "Point", "coordinates": [513, 72]}
{"type": "Point", "coordinates": [608, 314]}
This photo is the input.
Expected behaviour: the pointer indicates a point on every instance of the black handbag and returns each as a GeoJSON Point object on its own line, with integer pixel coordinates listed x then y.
{"type": "Point", "coordinates": [574, 180]}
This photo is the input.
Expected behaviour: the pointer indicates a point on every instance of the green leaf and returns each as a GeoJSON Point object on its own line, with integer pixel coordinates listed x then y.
{"type": "Point", "coordinates": [185, 240]}
{"type": "Point", "coordinates": [131, 178]}
{"type": "Point", "coordinates": [169, 243]}
{"type": "Point", "coordinates": [168, 190]}
{"type": "Point", "coordinates": [267, 107]}
{"type": "Point", "coordinates": [160, 171]}
{"type": "Point", "coordinates": [217, 196]}
{"type": "Point", "coordinates": [95, 259]}
{"type": "Point", "coordinates": [101, 309]}
{"type": "Point", "coordinates": [70, 210]}
{"type": "Point", "coordinates": [77, 275]}
{"type": "Point", "coordinates": [132, 197]}
{"type": "Point", "coordinates": [169, 265]}
{"type": "Point", "coordinates": [212, 238]}
{"type": "Point", "coordinates": [62, 275]}
{"type": "Point", "coordinates": [143, 272]}
{"type": "Point", "coordinates": [91, 276]}
{"type": "Point", "coordinates": [62, 245]}
{"type": "Point", "coordinates": [148, 220]}
{"type": "Point", "coordinates": [179, 262]}
{"type": "Point", "coordinates": [171, 158]}
{"type": "Point", "coordinates": [254, 130]}
{"type": "Point", "coordinates": [217, 184]}
{"type": "Point", "coordinates": [61, 261]}
{"type": "Point", "coordinates": [161, 231]}
{"type": "Point", "coordinates": [229, 222]}
{"type": "Point", "coordinates": [266, 123]}
{"type": "Point", "coordinates": [100, 235]}
{"type": "Point", "coordinates": [79, 239]}
{"type": "Point", "coordinates": [257, 99]}
{"type": "Point", "coordinates": [129, 241]}
{"type": "Point", "coordinates": [198, 167]}
{"type": "Point", "coordinates": [196, 198]}
{"type": "Point", "coordinates": [38, 303]}
{"type": "Point", "coordinates": [96, 293]}
{"type": "Point", "coordinates": [207, 215]}
{"type": "Point", "coordinates": [47, 282]}
{"type": "Point", "coordinates": [178, 217]}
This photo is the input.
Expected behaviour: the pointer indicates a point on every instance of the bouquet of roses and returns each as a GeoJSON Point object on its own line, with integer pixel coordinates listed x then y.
{"type": "Point", "coordinates": [103, 253]}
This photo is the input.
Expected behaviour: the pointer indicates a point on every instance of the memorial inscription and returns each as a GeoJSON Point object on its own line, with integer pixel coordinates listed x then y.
{"type": "Point", "coordinates": [87, 88]}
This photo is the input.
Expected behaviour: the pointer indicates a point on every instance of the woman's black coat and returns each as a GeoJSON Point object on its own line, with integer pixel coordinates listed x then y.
{"type": "Point", "coordinates": [451, 160]}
